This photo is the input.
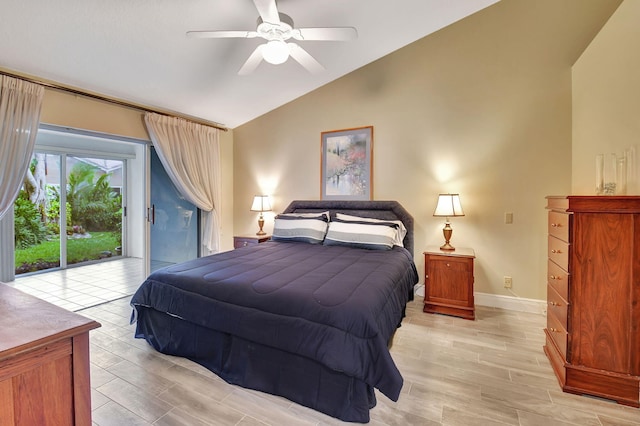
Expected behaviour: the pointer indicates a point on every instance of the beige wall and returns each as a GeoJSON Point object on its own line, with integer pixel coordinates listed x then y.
{"type": "Point", "coordinates": [606, 96]}
{"type": "Point", "coordinates": [69, 110]}
{"type": "Point", "coordinates": [65, 109]}
{"type": "Point", "coordinates": [482, 108]}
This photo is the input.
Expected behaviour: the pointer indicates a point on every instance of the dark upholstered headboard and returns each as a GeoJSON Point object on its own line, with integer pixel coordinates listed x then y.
{"type": "Point", "coordinates": [387, 210]}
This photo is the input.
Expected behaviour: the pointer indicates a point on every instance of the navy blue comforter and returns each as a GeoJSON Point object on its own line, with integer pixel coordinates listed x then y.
{"type": "Point", "coordinates": [336, 305]}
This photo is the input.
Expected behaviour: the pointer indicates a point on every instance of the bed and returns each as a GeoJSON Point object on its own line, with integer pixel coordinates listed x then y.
{"type": "Point", "coordinates": [308, 316]}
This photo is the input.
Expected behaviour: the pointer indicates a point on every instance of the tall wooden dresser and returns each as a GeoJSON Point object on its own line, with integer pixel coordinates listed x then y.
{"type": "Point", "coordinates": [593, 295]}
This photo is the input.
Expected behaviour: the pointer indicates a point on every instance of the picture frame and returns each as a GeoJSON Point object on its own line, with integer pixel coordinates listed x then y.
{"type": "Point", "coordinates": [346, 169]}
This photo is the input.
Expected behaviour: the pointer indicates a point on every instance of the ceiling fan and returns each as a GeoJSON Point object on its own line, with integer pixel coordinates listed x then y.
{"type": "Point", "coordinates": [276, 28]}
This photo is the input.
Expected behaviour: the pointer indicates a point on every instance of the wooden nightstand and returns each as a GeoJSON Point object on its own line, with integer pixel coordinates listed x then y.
{"type": "Point", "coordinates": [247, 240]}
{"type": "Point", "coordinates": [448, 282]}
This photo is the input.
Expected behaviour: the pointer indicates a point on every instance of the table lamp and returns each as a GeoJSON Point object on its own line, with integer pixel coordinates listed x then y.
{"type": "Point", "coordinates": [448, 206]}
{"type": "Point", "coordinates": [261, 204]}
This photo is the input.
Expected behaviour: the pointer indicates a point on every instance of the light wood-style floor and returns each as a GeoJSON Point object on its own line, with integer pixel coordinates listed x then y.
{"type": "Point", "coordinates": [491, 371]}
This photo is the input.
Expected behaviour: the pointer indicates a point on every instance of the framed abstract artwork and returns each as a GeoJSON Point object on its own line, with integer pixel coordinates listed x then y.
{"type": "Point", "coordinates": [346, 170]}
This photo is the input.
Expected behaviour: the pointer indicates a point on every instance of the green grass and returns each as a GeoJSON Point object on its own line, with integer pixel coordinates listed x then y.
{"type": "Point", "coordinates": [78, 250]}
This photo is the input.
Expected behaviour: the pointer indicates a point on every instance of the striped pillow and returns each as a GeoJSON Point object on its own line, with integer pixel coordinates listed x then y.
{"type": "Point", "coordinates": [296, 228]}
{"type": "Point", "coordinates": [367, 235]}
{"type": "Point", "coordinates": [401, 230]}
{"type": "Point", "coordinates": [307, 215]}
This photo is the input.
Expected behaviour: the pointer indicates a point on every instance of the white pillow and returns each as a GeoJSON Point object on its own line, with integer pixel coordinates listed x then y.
{"type": "Point", "coordinates": [400, 234]}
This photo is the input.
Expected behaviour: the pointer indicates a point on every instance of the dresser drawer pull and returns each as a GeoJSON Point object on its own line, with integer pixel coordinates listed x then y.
{"type": "Point", "coordinates": [554, 304]}
{"type": "Point", "coordinates": [556, 225]}
{"type": "Point", "coordinates": [555, 277]}
{"type": "Point", "coordinates": [555, 251]}
{"type": "Point", "coordinates": [553, 330]}
{"type": "Point", "coordinates": [245, 243]}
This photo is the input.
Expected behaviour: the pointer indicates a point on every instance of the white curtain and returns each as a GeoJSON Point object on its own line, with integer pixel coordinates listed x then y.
{"type": "Point", "coordinates": [190, 153]}
{"type": "Point", "coordinates": [20, 105]}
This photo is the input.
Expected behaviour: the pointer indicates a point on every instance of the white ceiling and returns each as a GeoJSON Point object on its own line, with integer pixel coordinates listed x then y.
{"type": "Point", "coordinates": [137, 51]}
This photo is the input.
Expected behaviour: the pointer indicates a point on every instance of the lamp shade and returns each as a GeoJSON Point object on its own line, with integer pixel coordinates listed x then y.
{"type": "Point", "coordinates": [448, 206]}
{"type": "Point", "coordinates": [261, 204]}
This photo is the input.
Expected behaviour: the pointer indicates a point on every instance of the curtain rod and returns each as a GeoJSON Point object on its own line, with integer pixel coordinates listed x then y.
{"type": "Point", "coordinates": [138, 107]}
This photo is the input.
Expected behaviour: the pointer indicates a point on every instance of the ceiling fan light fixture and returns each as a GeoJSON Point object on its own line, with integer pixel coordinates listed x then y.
{"type": "Point", "coordinates": [277, 29]}
{"type": "Point", "coordinates": [275, 52]}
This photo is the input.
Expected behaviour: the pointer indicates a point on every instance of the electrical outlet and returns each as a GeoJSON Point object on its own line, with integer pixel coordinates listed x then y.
{"type": "Point", "coordinates": [508, 218]}
{"type": "Point", "coordinates": [508, 282]}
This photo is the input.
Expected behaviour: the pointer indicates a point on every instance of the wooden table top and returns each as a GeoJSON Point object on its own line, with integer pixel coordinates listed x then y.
{"type": "Point", "coordinates": [27, 322]}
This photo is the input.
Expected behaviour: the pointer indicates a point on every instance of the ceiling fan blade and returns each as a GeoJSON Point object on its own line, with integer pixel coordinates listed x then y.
{"type": "Point", "coordinates": [305, 59]}
{"type": "Point", "coordinates": [252, 63]}
{"type": "Point", "coordinates": [222, 34]}
{"type": "Point", "coordinates": [326, 34]}
{"type": "Point", "coordinates": [268, 11]}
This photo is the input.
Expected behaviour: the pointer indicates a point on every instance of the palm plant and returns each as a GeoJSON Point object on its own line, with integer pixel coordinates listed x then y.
{"type": "Point", "coordinates": [95, 205]}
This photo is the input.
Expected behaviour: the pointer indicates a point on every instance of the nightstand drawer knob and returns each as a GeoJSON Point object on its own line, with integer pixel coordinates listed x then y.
{"type": "Point", "coordinates": [245, 243]}
{"type": "Point", "coordinates": [553, 330]}
{"type": "Point", "coordinates": [555, 277]}
{"type": "Point", "coordinates": [556, 225]}
{"type": "Point", "coordinates": [555, 251]}
{"type": "Point", "coordinates": [448, 265]}
{"type": "Point", "coordinates": [554, 304]}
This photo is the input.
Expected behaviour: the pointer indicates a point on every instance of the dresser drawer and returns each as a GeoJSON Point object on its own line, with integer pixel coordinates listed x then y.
{"type": "Point", "coordinates": [558, 278]}
{"type": "Point", "coordinates": [559, 225]}
{"type": "Point", "coordinates": [557, 306]}
{"type": "Point", "coordinates": [559, 252]}
{"type": "Point", "coordinates": [557, 333]}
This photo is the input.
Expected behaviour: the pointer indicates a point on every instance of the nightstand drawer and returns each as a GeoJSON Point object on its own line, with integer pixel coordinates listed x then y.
{"type": "Point", "coordinates": [448, 282]}
{"type": "Point", "coordinates": [248, 240]}
{"type": "Point", "coordinates": [444, 274]}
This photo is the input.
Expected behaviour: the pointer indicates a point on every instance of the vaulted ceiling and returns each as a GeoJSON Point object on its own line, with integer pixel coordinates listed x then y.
{"type": "Point", "coordinates": [137, 51]}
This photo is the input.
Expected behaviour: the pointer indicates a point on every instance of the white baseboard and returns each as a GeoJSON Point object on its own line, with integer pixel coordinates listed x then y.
{"type": "Point", "coordinates": [505, 302]}
{"type": "Point", "coordinates": [519, 304]}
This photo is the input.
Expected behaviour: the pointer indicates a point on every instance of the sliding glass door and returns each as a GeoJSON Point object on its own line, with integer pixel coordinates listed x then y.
{"type": "Point", "coordinates": [69, 211]}
{"type": "Point", "coordinates": [94, 189]}
{"type": "Point", "coordinates": [36, 216]}
{"type": "Point", "coordinates": [174, 221]}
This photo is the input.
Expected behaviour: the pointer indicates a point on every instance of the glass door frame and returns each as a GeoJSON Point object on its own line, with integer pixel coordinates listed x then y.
{"type": "Point", "coordinates": [132, 149]}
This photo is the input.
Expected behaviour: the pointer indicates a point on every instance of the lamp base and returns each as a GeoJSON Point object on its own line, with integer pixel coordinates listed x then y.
{"type": "Point", "coordinates": [448, 247]}
{"type": "Point", "coordinates": [261, 224]}
{"type": "Point", "coordinates": [447, 232]}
